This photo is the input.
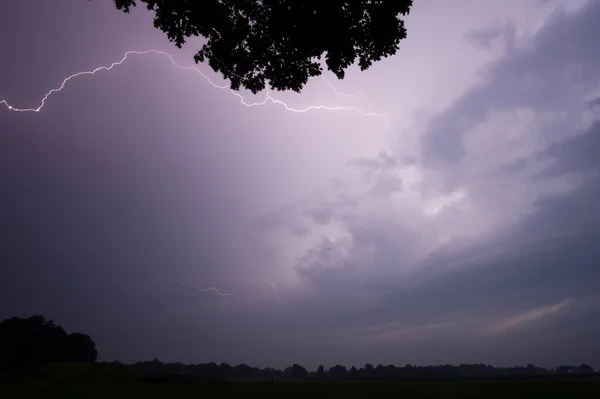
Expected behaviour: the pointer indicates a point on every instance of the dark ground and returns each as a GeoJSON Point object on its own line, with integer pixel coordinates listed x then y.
{"type": "Point", "coordinates": [74, 381]}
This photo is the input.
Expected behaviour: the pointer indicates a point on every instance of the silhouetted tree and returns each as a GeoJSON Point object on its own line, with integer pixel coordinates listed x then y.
{"type": "Point", "coordinates": [368, 370]}
{"type": "Point", "coordinates": [320, 371]}
{"type": "Point", "coordinates": [34, 340]}
{"type": "Point", "coordinates": [81, 348]}
{"type": "Point", "coordinates": [298, 372]}
{"type": "Point", "coordinates": [251, 42]}
{"type": "Point", "coordinates": [338, 371]}
{"type": "Point", "coordinates": [243, 371]}
{"type": "Point", "coordinates": [586, 369]}
{"type": "Point", "coordinates": [379, 371]}
{"type": "Point", "coordinates": [565, 369]}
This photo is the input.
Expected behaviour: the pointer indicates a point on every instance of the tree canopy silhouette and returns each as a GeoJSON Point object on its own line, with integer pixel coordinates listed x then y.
{"type": "Point", "coordinates": [157, 371]}
{"type": "Point", "coordinates": [251, 42]}
{"type": "Point", "coordinates": [35, 340]}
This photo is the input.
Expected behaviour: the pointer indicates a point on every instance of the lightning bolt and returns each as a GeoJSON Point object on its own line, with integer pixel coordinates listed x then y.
{"type": "Point", "coordinates": [267, 99]}
{"type": "Point", "coordinates": [239, 298]}
{"type": "Point", "coordinates": [206, 289]}
{"type": "Point", "coordinates": [272, 284]}
{"type": "Point", "coordinates": [349, 96]}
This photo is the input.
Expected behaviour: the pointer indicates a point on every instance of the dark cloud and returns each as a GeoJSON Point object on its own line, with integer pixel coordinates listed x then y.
{"type": "Point", "coordinates": [386, 184]}
{"type": "Point", "coordinates": [322, 216]}
{"type": "Point", "coordinates": [103, 206]}
{"type": "Point", "coordinates": [562, 53]}
{"type": "Point", "coordinates": [532, 279]}
{"type": "Point", "coordinates": [488, 37]}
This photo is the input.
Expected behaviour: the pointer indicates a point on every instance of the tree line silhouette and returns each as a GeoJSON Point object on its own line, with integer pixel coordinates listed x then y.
{"type": "Point", "coordinates": [25, 342]}
{"type": "Point", "coordinates": [156, 368]}
{"type": "Point", "coordinates": [35, 340]}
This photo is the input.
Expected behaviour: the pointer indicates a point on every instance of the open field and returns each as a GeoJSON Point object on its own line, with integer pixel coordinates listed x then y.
{"type": "Point", "coordinates": [95, 380]}
{"type": "Point", "coordinates": [36, 388]}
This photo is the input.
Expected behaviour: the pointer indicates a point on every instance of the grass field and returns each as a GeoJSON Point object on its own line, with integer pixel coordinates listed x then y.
{"type": "Point", "coordinates": [98, 382]}
{"type": "Point", "coordinates": [312, 390]}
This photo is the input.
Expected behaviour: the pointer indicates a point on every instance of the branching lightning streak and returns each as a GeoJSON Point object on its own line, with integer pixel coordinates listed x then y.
{"type": "Point", "coordinates": [194, 69]}
{"type": "Point", "coordinates": [206, 289]}
{"type": "Point", "coordinates": [350, 96]}
{"type": "Point", "coordinates": [216, 291]}
{"type": "Point", "coordinates": [267, 99]}
{"type": "Point", "coordinates": [272, 284]}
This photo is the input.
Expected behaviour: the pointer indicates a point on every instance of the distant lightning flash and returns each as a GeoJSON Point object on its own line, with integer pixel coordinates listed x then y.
{"type": "Point", "coordinates": [239, 298]}
{"type": "Point", "coordinates": [194, 69]}
{"type": "Point", "coordinates": [272, 284]}
{"type": "Point", "coordinates": [206, 289]}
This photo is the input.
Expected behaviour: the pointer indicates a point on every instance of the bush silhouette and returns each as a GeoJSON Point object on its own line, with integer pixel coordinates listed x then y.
{"type": "Point", "coordinates": [25, 342]}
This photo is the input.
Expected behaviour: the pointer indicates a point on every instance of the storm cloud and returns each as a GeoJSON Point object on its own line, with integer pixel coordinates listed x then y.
{"type": "Point", "coordinates": [463, 232]}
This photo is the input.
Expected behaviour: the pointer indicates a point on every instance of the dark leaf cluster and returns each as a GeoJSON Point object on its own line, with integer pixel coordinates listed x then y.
{"type": "Point", "coordinates": [25, 342]}
{"type": "Point", "coordinates": [252, 42]}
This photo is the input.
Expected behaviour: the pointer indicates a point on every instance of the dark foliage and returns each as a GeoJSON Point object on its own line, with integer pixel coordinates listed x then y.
{"type": "Point", "coordinates": [201, 373]}
{"type": "Point", "coordinates": [24, 342]}
{"type": "Point", "coordinates": [583, 369]}
{"type": "Point", "coordinates": [31, 341]}
{"type": "Point", "coordinates": [296, 372]}
{"type": "Point", "coordinates": [251, 42]}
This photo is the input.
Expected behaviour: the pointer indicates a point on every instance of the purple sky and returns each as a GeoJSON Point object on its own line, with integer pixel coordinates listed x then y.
{"type": "Point", "coordinates": [460, 228]}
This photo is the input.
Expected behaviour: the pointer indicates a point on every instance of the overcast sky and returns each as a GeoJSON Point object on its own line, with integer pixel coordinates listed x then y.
{"type": "Point", "coordinates": [460, 227]}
